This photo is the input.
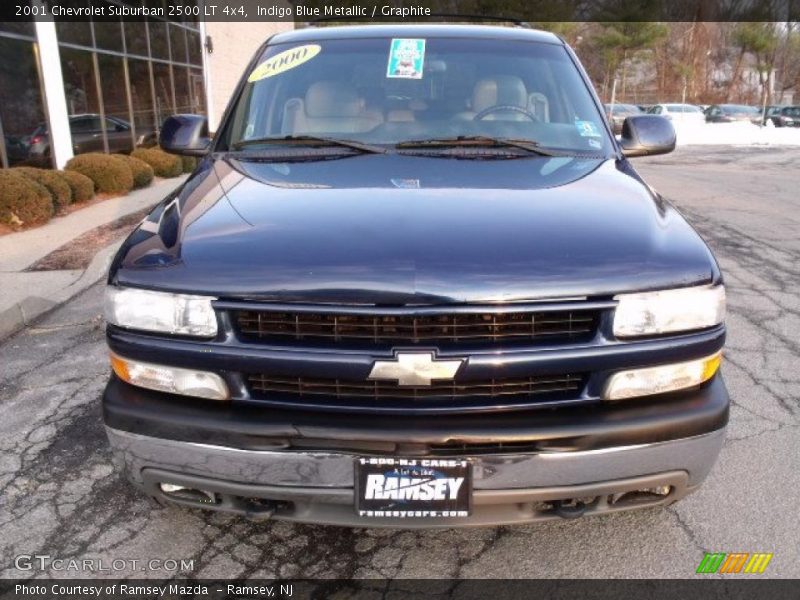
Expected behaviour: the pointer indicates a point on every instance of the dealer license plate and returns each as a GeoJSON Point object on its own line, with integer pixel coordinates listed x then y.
{"type": "Point", "coordinates": [413, 487]}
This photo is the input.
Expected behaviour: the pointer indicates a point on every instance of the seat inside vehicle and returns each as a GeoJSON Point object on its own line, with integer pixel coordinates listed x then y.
{"type": "Point", "coordinates": [329, 106]}
{"type": "Point", "coordinates": [498, 91]}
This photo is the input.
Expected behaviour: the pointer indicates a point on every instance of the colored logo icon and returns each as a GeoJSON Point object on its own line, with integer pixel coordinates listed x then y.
{"type": "Point", "coordinates": [735, 562]}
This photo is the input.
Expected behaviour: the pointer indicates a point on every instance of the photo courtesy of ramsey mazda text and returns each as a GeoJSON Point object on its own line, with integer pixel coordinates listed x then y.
{"type": "Point", "coordinates": [415, 281]}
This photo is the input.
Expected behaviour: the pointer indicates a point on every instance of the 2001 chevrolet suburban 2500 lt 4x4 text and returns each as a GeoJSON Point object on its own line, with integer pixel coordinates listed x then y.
{"type": "Point", "coordinates": [415, 281]}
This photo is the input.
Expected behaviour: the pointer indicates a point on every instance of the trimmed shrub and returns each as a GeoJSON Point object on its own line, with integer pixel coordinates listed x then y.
{"type": "Point", "coordinates": [82, 187]}
{"type": "Point", "coordinates": [164, 164]}
{"type": "Point", "coordinates": [109, 174]}
{"type": "Point", "coordinates": [189, 163]}
{"type": "Point", "coordinates": [142, 172]}
{"type": "Point", "coordinates": [59, 189]}
{"type": "Point", "coordinates": [23, 201]}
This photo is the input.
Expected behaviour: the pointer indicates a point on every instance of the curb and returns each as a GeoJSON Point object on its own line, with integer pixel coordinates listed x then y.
{"type": "Point", "coordinates": [30, 309]}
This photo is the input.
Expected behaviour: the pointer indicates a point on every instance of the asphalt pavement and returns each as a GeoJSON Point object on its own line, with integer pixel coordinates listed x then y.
{"type": "Point", "coordinates": [60, 495]}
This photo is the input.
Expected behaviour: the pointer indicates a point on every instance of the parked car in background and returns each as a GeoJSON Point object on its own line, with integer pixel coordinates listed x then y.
{"type": "Point", "coordinates": [732, 113]}
{"type": "Point", "coordinates": [782, 116]}
{"type": "Point", "coordinates": [87, 136]}
{"type": "Point", "coordinates": [16, 149]}
{"type": "Point", "coordinates": [679, 113]}
{"type": "Point", "coordinates": [617, 113]}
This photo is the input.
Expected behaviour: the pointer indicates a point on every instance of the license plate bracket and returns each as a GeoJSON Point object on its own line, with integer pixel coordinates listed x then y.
{"type": "Point", "coordinates": [412, 487]}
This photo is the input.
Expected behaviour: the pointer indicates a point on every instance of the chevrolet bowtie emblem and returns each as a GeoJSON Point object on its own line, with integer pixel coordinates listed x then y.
{"type": "Point", "coordinates": [415, 368]}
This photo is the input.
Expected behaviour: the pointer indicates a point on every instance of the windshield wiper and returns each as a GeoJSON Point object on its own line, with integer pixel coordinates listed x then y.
{"type": "Point", "coordinates": [482, 140]}
{"type": "Point", "coordinates": [313, 139]}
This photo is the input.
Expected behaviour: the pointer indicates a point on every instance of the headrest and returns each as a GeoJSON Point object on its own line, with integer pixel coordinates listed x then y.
{"type": "Point", "coordinates": [332, 99]}
{"type": "Point", "coordinates": [498, 90]}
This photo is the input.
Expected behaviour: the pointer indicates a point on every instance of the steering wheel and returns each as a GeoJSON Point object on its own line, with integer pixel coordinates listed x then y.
{"type": "Point", "coordinates": [505, 108]}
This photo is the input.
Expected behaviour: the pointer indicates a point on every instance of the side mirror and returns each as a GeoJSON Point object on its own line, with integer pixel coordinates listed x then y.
{"type": "Point", "coordinates": [186, 135]}
{"type": "Point", "coordinates": [646, 135]}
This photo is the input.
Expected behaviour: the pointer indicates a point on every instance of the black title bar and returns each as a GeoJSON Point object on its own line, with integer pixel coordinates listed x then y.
{"type": "Point", "coordinates": [734, 588]}
{"type": "Point", "coordinates": [515, 12]}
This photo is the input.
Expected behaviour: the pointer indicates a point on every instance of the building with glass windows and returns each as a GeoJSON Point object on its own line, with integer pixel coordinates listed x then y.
{"type": "Point", "coordinates": [74, 87]}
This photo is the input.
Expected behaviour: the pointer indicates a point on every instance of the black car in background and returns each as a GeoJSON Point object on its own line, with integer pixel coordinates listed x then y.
{"type": "Point", "coordinates": [782, 116]}
{"type": "Point", "coordinates": [617, 113]}
{"type": "Point", "coordinates": [16, 149]}
{"type": "Point", "coordinates": [732, 113]}
{"type": "Point", "coordinates": [415, 281]}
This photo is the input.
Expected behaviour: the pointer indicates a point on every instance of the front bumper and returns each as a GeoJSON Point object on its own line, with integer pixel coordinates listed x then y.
{"type": "Point", "coordinates": [303, 465]}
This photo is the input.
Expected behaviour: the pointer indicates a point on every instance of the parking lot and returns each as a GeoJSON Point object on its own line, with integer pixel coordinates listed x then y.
{"type": "Point", "coordinates": [60, 495]}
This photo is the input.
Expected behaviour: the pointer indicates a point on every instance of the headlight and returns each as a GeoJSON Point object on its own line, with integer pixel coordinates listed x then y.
{"type": "Point", "coordinates": [172, 380]}
{"type": "Point", "coordinates": [668, 311]}
{"type": "Point", "coordinates": [665, 378]}
{"type": "Point", "coordinates": [160, 311]}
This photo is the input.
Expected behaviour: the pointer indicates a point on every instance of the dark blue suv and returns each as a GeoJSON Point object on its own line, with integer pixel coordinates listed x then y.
{"type": "Point", "coordinates": [415, 281]}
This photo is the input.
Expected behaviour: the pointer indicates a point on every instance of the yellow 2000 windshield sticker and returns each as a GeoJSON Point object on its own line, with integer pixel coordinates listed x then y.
{"type": "Point", "coordinates": [283, 61]}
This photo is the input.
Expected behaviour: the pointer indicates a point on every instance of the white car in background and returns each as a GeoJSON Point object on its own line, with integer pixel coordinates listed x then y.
{"type": "Point", "coordinates": [689, 114]}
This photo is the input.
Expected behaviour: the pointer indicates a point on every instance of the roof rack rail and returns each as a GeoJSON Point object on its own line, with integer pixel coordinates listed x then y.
{"type": "Point", "coordinates": [454, 16]}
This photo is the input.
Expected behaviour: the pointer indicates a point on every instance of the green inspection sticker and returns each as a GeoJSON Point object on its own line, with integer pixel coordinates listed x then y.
{"type": "Point", "coordinates": [406, 58]}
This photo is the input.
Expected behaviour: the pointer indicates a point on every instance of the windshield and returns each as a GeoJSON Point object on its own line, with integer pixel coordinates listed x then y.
{"type": "Point", "coordinates": [400, 91]}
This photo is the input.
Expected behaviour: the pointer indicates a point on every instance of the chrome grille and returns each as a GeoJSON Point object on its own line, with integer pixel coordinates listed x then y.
{"type": "Point", "coordinates": [552, 326]}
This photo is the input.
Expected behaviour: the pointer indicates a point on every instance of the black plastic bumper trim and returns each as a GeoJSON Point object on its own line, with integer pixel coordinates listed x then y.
{"type": "Point", "coordinates": [238, 425]}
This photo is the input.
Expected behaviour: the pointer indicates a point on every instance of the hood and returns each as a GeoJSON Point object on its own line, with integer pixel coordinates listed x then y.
{"type": "Point", "coordinates": [394, 229]}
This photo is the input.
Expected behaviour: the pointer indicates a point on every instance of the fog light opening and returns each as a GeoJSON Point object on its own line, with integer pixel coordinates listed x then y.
{"type": "Point", "coordinates": [262, 509]}
{"type": "Point", "coordinates": [642, 496]}
{"type": "Point", "coordinates": [662, 490]}
{"type": "Point", "coordinates": [187, 494]}
{"type": "Point", "coordinates": [571, 508]}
